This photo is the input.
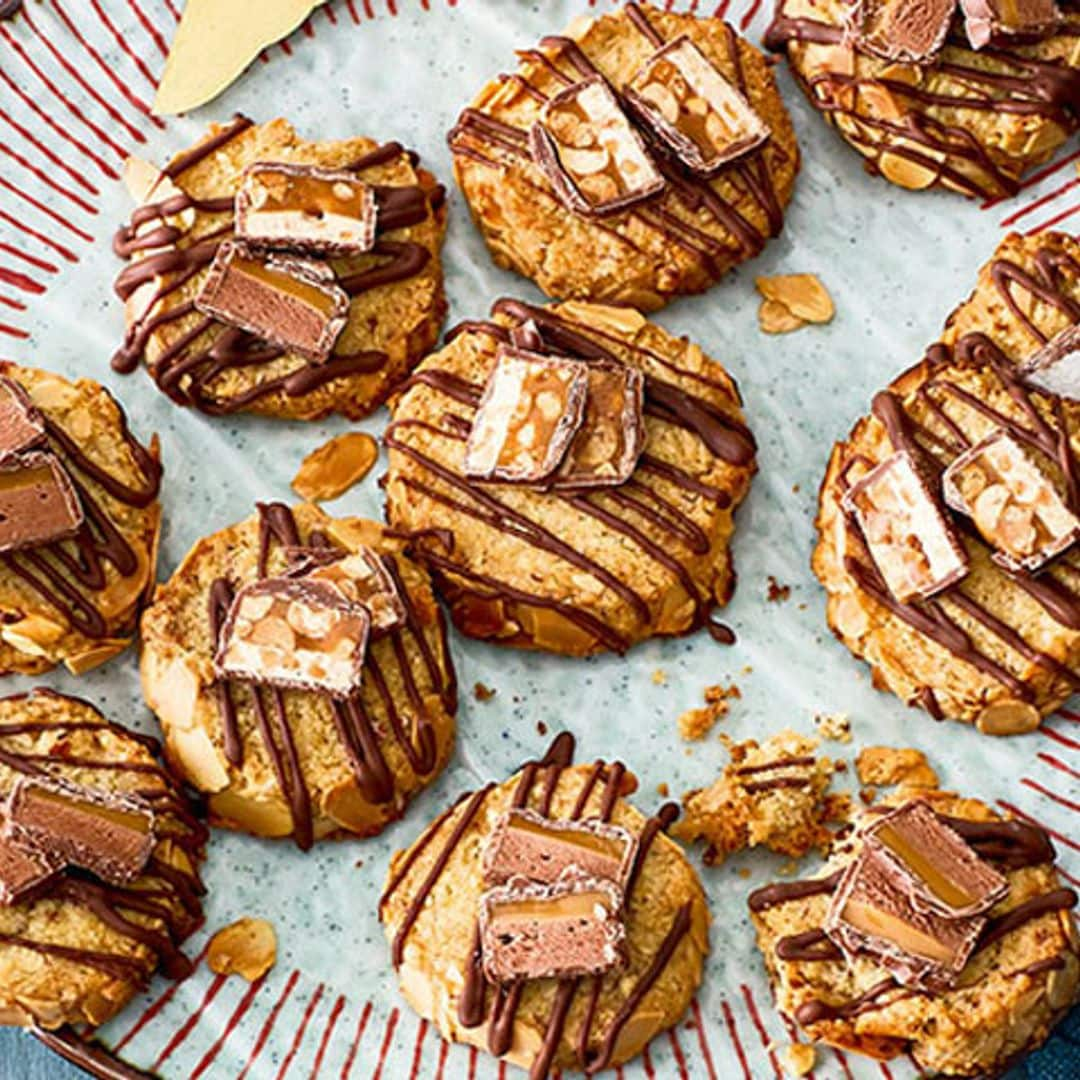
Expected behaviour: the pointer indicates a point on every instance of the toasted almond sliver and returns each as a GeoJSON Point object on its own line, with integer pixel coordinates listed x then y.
{"type": "Point", "coordinates": [775, 318]}
{"type": "Point", "coordinates": [802, 294]}
{"type": "Point", "coordinates": [335, 466]}
{"type": "Point", "coordinates": [247, 947]}
{"type": "Point", "coordinates": [104, 650]}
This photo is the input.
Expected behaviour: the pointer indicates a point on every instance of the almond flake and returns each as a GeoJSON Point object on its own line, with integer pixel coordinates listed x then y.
{"type": "Point", "coordinates": [335, 466]}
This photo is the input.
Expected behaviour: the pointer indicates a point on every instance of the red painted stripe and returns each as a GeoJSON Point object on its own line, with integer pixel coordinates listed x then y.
{"type": "Point", "coordinates": [418, 1049]}
{"type": "Point", "coordinates": [1057, 763]}
{"type": "Point", "coordinates": [18, 305]}
{"type": "Point", "coordinates": [298, 1038]}
{"type": "Point", "coordinates": [37, 204]}
{"type": "Point", "coordinates": [729, 1019]}
{"type": "Point", "coordinates": [646, 1062]}
{"type": "Point", "coordinates": [268, 1024]}
{"type": "Point", "coordinates": [388, 1035]}
{"type": "Point", "coordinates": [677, 1050]}
{"type": "Point", "coordinates": [350, 4]}
{"type": "Point", "coordinates": [231, 1025]}
{"type": "Point", "coordinates": [1068, 714]}
{"type": "Point", "coordinates": [721, 9]}
{"type": "Point", "coordinates": [174, 11]}
{"type": "Point", "coordinates": [1036, 177]}
{"type": "Point", "coordinates": [1051, 222]}
{"type": "Point", "coordinates": [149, 27]}
{"type": "Point", "coordinates": [1059, 799]}
{"type": "Point", "coordinates": [47, 180]}
{"type": "Point", "coordinates": [368, 10]}
{"type": "Point", "coordinates": [1034, 821]}
{"type": "Point", "coordinates": [391, 6]}
{"type": "Point", "coordinates": [1072, 744]}
{"type": "Point", "coordinates": [185, 1029]}
{"type": "Point", "coordinates": [706, 1053]}
{"type": "Point", "coordinates": [472, 1049]}
{"type": "Point", "coordinates": [21, 281]}
{"type": "Point", "coordinates": [67, 253]}
{"type": "Point", "coordinates": [49, 154]}
{"type": "Point", "coordinates": [26, 257]}
{"type": "Point", "coordinates": [14, 331]}
{"type": "Point", "coordinates": [1059, 869]}
{"type": "Point", "coordinates": [361, 1025]}
{"type": "Point", "coordinates": [748, 18]}
{"type": "Point", "coordinates": [763, 1035]}
{"type": "Point", "coordinates": [331, 15]}
{"type": "Point", "coordinates": [1041, 201]}
{"type": "Point", "coordinates": [122, 42]}
{"type": "Point", "coordinates": [331, 1022]}
{"type": "Point", "coordinates": [444, 1049]}
{"type": "Point", "coordinates": [842, 1058]}
{"type": "Point", "coordinates": [885, 1071]}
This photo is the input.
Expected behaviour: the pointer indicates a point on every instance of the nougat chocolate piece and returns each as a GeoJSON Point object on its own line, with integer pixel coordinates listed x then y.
{"type": "Point", "coordinates": [25, 872]}
{"type": "Point", "coordinates": [532, 407]}
{"type": "Point", "coordinates": [570, 928]}
{"type": "Point", "coordinates": [363, 579]}
{"type": "Point", "coordinates": [38, 502]}
{"type": "Point", "coordinates": [1005, 22]}
{"type": "Point", "coordinates": [695, 110]}
{"type": "Point", "coordinates": [1012, 498]}
{"type": "Point", "coordinates": [295, 633]}
{"type": "Point", "coordinates": [291, 302]}
{"type": "Point", "coordinates": [109, 834]}
{"type": "Point", "coordinates": [932, 864]}
{"type": "Point", "coordinates": [1055, 368]}
{"type": "Point", "coordinates": [913, 544]}
{"type": "Point", "coordinates": [606, 448]}
{"type": "Point", "coordinates": [870, 915]}
{"type": "Point", "coordinates": [906, 30]}
{"type": "Point", "coordinates": [527, 844]}
{"type": "Point", "coordinates": [305, 208]}
{"type": "Point", "coordinates": [588, 149]}
{"type": "Point", "coordinates": [21, 424]}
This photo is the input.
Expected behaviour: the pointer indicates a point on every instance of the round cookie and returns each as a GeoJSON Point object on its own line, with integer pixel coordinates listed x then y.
{"type": "Point", "coordinates": [185, 212]}
{"type": "Point", "coordinates": [77, 949]}
{"type": "Point", "coordinates": [75, 600]}
{"type": "Point", "coordinates": [679, 240]}
{"type": "Point", "coordinates": [296, 761]}
{"type": "Point", "coordinates": [431, 903]}
{"type": "Point", "coordinates": [966, 120]}
{"type": "Point", "coordinates": [568, 572]}
{"type": "Point", "coordinates": [1021, 978]}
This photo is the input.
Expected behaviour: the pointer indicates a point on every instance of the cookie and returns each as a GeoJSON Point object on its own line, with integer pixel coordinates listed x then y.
{"type": "Point", "coordinates": [931, 110]}
{"type": "Point", "coordinates": [74, 947]}
{"type": "Point", "coordinates": [697, 205]}
{"type": "Point", "coordinates": [258, 347]}
{"type": "Point", "coordinates": [1021, 976]}
{"type": "Point", "coordinates": [300, 755]}
{"type": "Point", "coordinates": [438, 889]}
{"type": "Point", "coordinates": [79, 522]}
{"type": "Point", "coordinates": [1000, 645]}
{"type": "Point", "coordinates": [575, 569]}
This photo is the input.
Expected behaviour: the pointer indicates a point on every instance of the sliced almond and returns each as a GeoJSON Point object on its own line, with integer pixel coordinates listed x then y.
{"type": "Point", "coordinates": [33, 634]}
{"type": "Point", "coordinates": [1008, 717]}
{"type": "Point", "coordinates": [335, 466]}
{"type": "Point", "coordinates": [247, 947]}
{"type": "Point", "coordinates": [776, 318]}
{"type": "Point", "coordinates": [906, 173]}
{"type": "Point", "coordinates": [627, 321]}
{"type": "Point", "coordinates": [103, 651]}
{"type": "Point", "coordinates": [802, 294]}
{"type": "Point", "coordinates": [140, 177]}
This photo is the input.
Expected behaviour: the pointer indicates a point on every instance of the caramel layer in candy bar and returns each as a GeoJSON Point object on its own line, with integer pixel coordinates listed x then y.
{"type": "Point", "coordinates": [606, 448]}
{"type": "Point", "coordinates": [532, 407]}
{"type": "Point", "coordinates": [21, 425]}
{"type": "Point", "coordinates": [1055, 368]}
{"type": "Point", "coordinates": [533, 931]}
{"type": "Point", "coordinates": [932, 864]}
{"type": "Point", "coordinates": [25, 872]}
{"type": "Point", "coordinates": [526, 844]}
{"type": "Point", "coordinates": [38, 503]}
{"type": "Point", "coordinates": [588, 149]}
{"type": "Point", "coordinates": [293, 303]}
{"type": "Point", "coordinates": [870, 915]}
{"type": "Point", "coordinates": [108, 834]}
{"type": "Point", "coordinates": [909, 538]}
{"type": "Point", "coordinates": [305, 208]}
{"type": "Point", "coordinates": [1005, 22]}
{"type": "Point", "coordinates": [1013, 501]}
{"type": "Point", "coordinates": [701, 116]}
{"type": "Point", "coordinates": [907, 30]}
{"type": "Point", "coordinates": [300, 634]}
{"type": "Point", "coordinates": [363, 579]}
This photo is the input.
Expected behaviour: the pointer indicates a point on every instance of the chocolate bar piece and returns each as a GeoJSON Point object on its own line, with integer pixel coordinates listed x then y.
{"type": "Point", "coordinates": [21, 424]}
{"type": "Point", "coordinates": [870, 914]}
{"type": "Point", "coordinates": [535, 931]}
{"type": "Point", "coordinates": [1008, 22]}
{"type": "Point", "coordinates": [305, 208]}
{"type": "Point", "coordinates": [529, 845]}
{"type": "Point", "coordinates": [596, 162]}
{"type": "Point", "coordinates": [694, 109]}
{"type": "Point", "coordinates": [291, 302]}
{"type": "Point", "coordinates": [606, 448]}
{"type": "Point", "coordinates": [1055, 368]}
{"type": "Point", "coordinates": [532, 407]}
{"type": "Point", "coordinates": [38, 503]}
{"type": "Point", "coordinates": [906, 30]}
{"type": "Point", "coordinates": [1013, 501]}
{"type": "Point", "coordinates": [25, 872]}
{"type": "Point", "coordinates": [913, 544]}
{"type": "Point", "coordinates": [932, 864]}
{"type": "Point", "coordinates": [109, 834]}
{"type": "Point", "coordinates": [295, 633]}
{"type": "Point", "coordinates": [363, 579]}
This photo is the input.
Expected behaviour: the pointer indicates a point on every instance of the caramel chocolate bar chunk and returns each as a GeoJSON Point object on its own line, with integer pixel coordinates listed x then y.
{"type": "Point", "coordinates": [109, 834]}
{"type": "Point", "coordinates": [21, 425]}
{"type": "Point", "coordinates": [363, 579]}
{"type": "Point", "coordinates": [532, 407]}
{"type": "Point", "coordinates": [694, 109]}
{"type": "Point", "coordinates": [932, 864]}
{"type": "Point", "coordinates": [38, 503]}
{"type": "Point", "coordinates": [305, 208]}
{"type": "Point", "coordinates": [526, 844]}
{"type": "Point", "coordinates": [906, 30]}
{"type": "Point", "coordinates": [1013, 501]}
{"type": "Point", "coordinates": [596, 162]}
{"type": "Point", "coordinates": [293, 303]}
{"type": "Point", "coordinates": [912, 543]}
{"type": "Point", "coordinates": [534, 931]}
{"type": "Point", "coordinates": [298, 634]}
{"type": "Point", "coordinates": [870, 915]}
{"type": "Point", "coordinates": [25, 872]}
{"type": "Point", "coordinates": [1005, 22]}
{"type": "Point", "coordinates": [606, 448]}
{"type": "Point", "coordinates": [1055, 368]}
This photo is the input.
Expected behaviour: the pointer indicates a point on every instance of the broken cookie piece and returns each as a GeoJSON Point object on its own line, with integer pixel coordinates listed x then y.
{"type": "Point", "coordinates": [888, 765]}
{"type": "Point", "coordinates": [24, 871]}
{"type": "Point", "coordinates": [21, 424]}
{"type": "Point", "coordinates": [362, 578]}
{"type": "Point", "coordinates": [38, 503]}
{"type": "Point", "coordinates": [901, 30]}
{"type": "Point", "coordinates": [1008, 22]}
{"type": "Point", "coordinates": [1055, 368]}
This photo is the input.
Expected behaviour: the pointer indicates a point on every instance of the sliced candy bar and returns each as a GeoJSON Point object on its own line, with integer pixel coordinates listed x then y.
{"type": "Point", "coordinates": [531, 409]}
{"type": "Point", "coordinates": [905, 30]}
{"type": "Point", "coordinates": [295, 633]}
{"type": "Point", "coordinates": [21, 425]}
{"type": "Point", "coordinates": [596, 162]}
{"type": "Point", "coordinates": [1004, 22]}
{"type": "Point", "coordinates": [38, 503]}
{"type": "Point", "coordinates": [305, 208]}
{"type": "Point", "coordinates": [1013, 501]}
{"type": "Point", "coordinates": [606, 448]}
{"type": "Point", "coordinates": [932, 864]}
{"type": "Point", "coordinates": [25, 872]}
{"type": "Point", "coordinates": [363, 579]}
{"type": "Point", "coordinates": [870, 914]}
{"type": "Point", "coordinates": [694, 109]}
{"type": "Point", "coordinates": [1055, 368]}
{"type": "Point", "coordinates": [534, 931]}
{"type": "Point", "coordinates": [109, 834]}
{"type": "Point", "coordinates": [526, 844]}
{"type": "Point", "coordinates": [909, 538]}
{"type": "Point", "coordinates": [294, 303]}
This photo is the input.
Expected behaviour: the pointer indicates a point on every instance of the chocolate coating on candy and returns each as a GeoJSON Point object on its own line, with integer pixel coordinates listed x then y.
{"type": "Point", "coordinates": [38, 503]}
{"type": "Point", "coordinates": [1055, 368]}
{"type": "Point", "coordinates": [998, 22]}
{"type": "Point", "coordinates": [21, 424]}
{"type": "Point", "coordinates": [907, 30]}
{"type": "Point", "coordinates": [25, 872]}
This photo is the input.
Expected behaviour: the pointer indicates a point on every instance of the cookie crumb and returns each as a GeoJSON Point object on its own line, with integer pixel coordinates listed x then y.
{"type": "Point", "coordinates": [868, 795]}
{"type": "Point", "coordinates": [834, 726]}
{"type": "Point", "coordinates": [697, 723]}
{"type": "Point", "coordinates": [541, 728]}
{"type": "Point", "coordinates": [777, 593]}
{"type": "Point", "coordinates": [247, 947]}
{"type": "Point", "coordinates": [483, 693]}
{"type": "Point", "coordinates": [744, 872]}
{"type": "Point", "coordinates": [659, 677]}
{"type": "Point", "coordinates": [799, 1059]}
{"type": "Point", "coordinates": [887, 765]}
{"type": "Point", "coordinates": [663, 790]}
